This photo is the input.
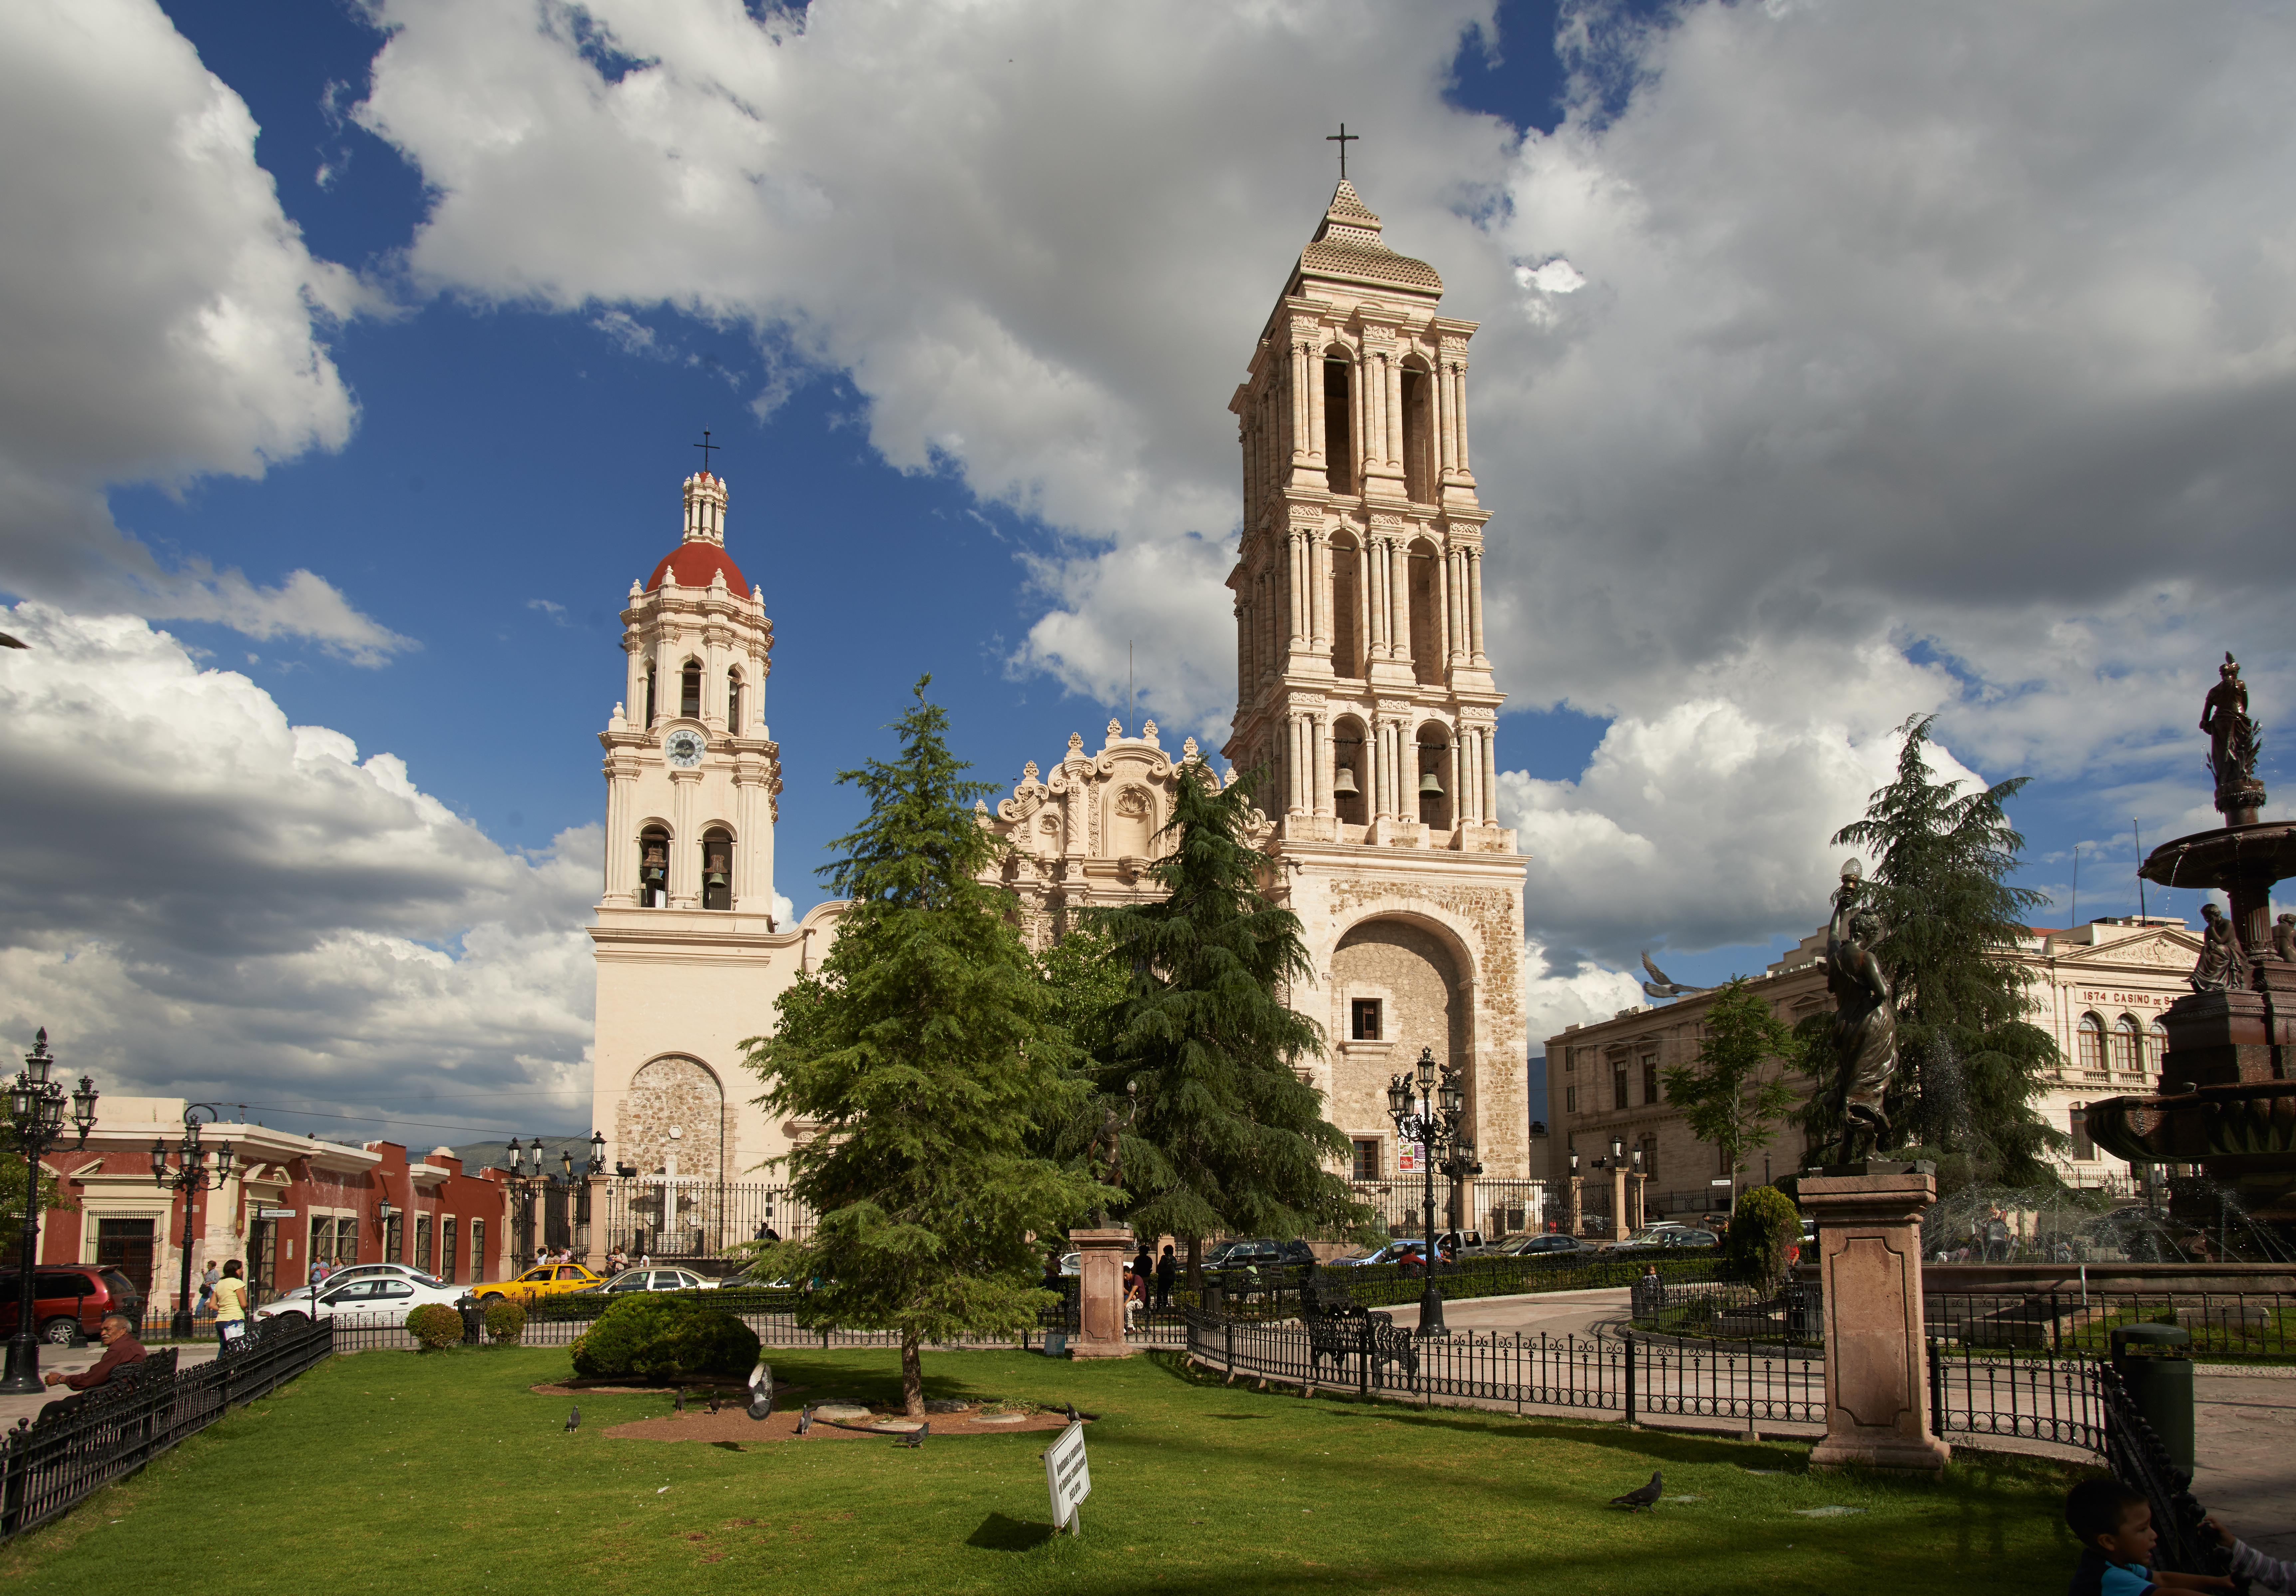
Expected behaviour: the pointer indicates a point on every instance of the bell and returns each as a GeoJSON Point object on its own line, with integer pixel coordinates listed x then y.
{"type": "Point", "coordinates": [718, 875]}
{"type": "Point", "coordinates": [1344, 783]}
{"type": "Point", "coordinates": [1430, 785]}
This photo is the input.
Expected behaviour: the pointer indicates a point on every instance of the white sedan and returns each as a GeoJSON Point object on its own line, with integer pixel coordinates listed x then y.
{"type": "Point", "coordinates": [657, 1279]}
{"type": "Point", "coordinates": [378, 1299]}
{"type": "Point", "coordinates": [300, 1295]}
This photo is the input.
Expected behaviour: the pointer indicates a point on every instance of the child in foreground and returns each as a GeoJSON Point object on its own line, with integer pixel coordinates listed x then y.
{"type": "Point", "coordinates": [2114, 1526]}
{"type": "Point", "coordinates": [2268, 1573]}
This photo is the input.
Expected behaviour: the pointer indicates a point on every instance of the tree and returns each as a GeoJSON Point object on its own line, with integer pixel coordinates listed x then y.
{"type": "Point", "coordinates": [1203, 1053]}
{"type": "Point", "coordinates": [925, 1052]}
{"type": "Point", "coordinates": [1764, 1227]}
{"type": "Point", "coordinates": [1723, 1094]}
{"type": "Point", "coordinates": [1969, 1062]}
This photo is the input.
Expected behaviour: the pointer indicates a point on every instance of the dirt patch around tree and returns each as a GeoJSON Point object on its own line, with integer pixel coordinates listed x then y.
{"type": "Point", "coordinates": [733, 1427]}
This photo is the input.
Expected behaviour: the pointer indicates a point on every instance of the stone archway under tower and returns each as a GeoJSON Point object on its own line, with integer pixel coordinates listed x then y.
{"type": "Point", "coordinates": [1396, 985]}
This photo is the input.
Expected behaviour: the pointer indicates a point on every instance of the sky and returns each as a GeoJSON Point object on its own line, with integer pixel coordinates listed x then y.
{"type": "Point", "coordinates": [1839, 362]}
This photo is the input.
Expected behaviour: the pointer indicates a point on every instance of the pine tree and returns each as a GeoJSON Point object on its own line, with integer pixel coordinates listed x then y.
{"type": "Point", "coordinates": [925, 1052]}
{"type": "Point", "coordinates": [1969, 1062]}
{"type": "Point", "coordinates": [1724, 1097]}
{"type": "Point", "coordinates": [1203, 1053]}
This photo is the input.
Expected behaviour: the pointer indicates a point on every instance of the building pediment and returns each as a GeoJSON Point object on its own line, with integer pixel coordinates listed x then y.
{"type": "Point", "coordinates": [2157, 950]}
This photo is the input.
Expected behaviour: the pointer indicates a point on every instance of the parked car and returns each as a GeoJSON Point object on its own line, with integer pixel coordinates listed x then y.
{"type": "Point", "coordinates": [374, 1299]}
{"type": "Point", "coordinates": [1465, 1244]}
{"type": "Point", "coordinates": [355, 1272]}
{"type": "Point", "coordinates": [544, 1279]}
{"type": "Point", "coordinates": [69, 1299]}
{"type": "Point", "coordinates": [1259, 1253]}
{"type": "Point", "coordinates": [656, 1279]}
{"type": "Point", "coordinates": [1652, 1237]}
{"type": "Point", "coordinates": [1553, 1242]}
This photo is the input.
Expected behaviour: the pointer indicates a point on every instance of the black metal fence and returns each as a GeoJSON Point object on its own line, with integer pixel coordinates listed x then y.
{"type": "Point", "coordinates": [691, 1223]}
{"type": "Point", "coordinates": [75, 1446]}
{"type": "Point", "coordinates": [2224, 1324]}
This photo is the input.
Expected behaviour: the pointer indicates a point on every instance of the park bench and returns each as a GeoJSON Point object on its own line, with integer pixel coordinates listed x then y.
{"type": "Point", "coordinates": [1340, 1327]}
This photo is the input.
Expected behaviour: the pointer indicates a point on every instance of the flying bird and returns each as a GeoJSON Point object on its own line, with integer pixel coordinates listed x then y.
{"type": "Point", "coordinates": [574, 1421]}
{"type": "Point", "coordinates": [916, 1438]}
{"type": "Point", "coordinates": [1659, 986]}
{"type": "Point", "coordinates": [1642, 1497]}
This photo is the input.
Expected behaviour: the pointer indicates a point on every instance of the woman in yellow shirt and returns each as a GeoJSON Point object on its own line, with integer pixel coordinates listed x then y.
{"type": "Point", "coordinates": [231, 1305]}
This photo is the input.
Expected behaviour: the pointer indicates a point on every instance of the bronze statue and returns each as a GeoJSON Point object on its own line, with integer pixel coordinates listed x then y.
{"type": "Point", "coordinates": [2283, 938]}
{"type": "Point", "coordinates": [1865, 1019]}
{"type": "Point", "coordinates": [1105, 1156]}
{"type": "Point", "coordinates": [2223, 966]}
{"type": "Point", "coordinates": [2232, 743]}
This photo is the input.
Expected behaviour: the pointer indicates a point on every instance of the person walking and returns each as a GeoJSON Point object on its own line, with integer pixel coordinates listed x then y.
{"type": "Point", "coordinates": [1168, 1269]}
{"type": "Point", "coordinates": [1143, 1264]}
{"type": "Point", "coordinates": [231, 1305]}
{"type": "Point", "coordinates": [206, 1286]}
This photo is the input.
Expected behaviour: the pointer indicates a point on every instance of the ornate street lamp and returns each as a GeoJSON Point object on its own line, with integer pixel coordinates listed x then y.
{"type": "Point", "coordinates": [191, 1177]}
{"type": "Point", "coordinates": [35, 1109]}
{"type": "Point", "coordinates": [529, 1175]}
{"type": "Point", "coordinates": [1434, 1117]}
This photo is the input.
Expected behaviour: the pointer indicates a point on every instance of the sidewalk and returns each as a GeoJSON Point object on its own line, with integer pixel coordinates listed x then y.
{"type": "Point", "coordinates": [72, 1359]}
{"type": "Point", "coordinates": [2244, 1445]}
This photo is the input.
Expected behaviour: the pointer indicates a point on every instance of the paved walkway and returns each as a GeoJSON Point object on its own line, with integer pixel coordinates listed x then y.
{"type": "Point", "coordinates": [2244, 1441]}
{"type": "Point", "coordinates": [71, 1360]}
{"type": "Point", "coordinates": [1555, 1312]}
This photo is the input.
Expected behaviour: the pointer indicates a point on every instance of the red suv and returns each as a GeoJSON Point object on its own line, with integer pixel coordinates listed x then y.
{"type": "Point", "coordinates": [69, 1299]}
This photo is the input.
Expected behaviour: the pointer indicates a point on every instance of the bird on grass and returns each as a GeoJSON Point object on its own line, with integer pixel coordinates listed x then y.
{"type": "Point", "coordinates": [916, 1438]}
{"type": "Point", "coordinates": [713, 1402]}
{"type": "Point", "coordinates": [804, 1420]}
{"type": "Point", "coordinates": [677, 1403]}
{"type": "Point", "coordinates": [574, 1421]}
{"type": "Point", "coordinates": [1074, 1417]}
{"type": "Point", "coordinates": [1642, 1497]}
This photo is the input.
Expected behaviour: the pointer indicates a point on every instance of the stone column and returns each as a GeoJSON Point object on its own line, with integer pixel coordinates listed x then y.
{"type": "Point", "coordinates": [1317, 421]}
{"type": "Point", "coordinates": [1877, 1396]}
{"type": "Point", "coordinates": [1619, 1228]}
{"type": "Point", "coordinates": [1100, 1327]}
{"type": "Point", "coordinates": [1475, 605]}
{"type": "Point", "coordinates": [1459, 409]}
{"type": "Point", "coordinates": [1575, 1211]}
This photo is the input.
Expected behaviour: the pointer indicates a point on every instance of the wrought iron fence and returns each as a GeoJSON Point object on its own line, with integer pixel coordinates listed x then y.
{"type": "Point", "coordinates": [2137, 1459]}
{"type": "Point", "coordinates": [49, 1463]}
{"type": "Point", "coordinates": [2224, 1324]}
{"type": "Point", "coordinates": [691, 1223]}
{"type": "Point", "coordinates": [1493, 1205]}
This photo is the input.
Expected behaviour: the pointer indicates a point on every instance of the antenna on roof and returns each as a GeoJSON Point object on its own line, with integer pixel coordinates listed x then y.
{"type": "Point", "coordinates": [2076, 886]}
{"type": "Point", "coordinates": [1131, 694]}
{"type": "Point", "coordinates": [2140, 867]}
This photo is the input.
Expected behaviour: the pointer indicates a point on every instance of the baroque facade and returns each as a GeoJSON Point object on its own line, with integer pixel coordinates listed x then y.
{"type": "Point", "coordinates": [1365, 704]}
{"type": "Point", "coordinates": [2098, 989]}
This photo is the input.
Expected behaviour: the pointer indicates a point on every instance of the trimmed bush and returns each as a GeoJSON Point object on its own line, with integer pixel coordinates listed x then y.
{"type": "Point", "coordinates": [506, 1321]}
{"type": "Point", "coordinates": [651, 1335]}
{"type": "Point", "coordinates": [434, 1325]}
{"type": "Point", "coordinates": [1763, 1226]}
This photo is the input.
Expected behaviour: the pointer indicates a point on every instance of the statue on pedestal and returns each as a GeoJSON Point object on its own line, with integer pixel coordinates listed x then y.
{"type": "Point", "coordinates": [1865, 1019]}
{"type": "Point", "coordinates": [2222, 966]}
{"type": "Point", "coordinates": [2232, 743]}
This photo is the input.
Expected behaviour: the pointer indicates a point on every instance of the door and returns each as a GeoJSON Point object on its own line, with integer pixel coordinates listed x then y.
{"type": "Point", "coordinates": [125, 1245]}
{"type": "Point", "coordinates": [262, 1260]}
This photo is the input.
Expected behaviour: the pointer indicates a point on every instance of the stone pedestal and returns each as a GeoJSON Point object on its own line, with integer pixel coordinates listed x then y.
{"type": "Point", "coordinates": [1100, 1318]}
{"type": "Point", "coordinates": [1575, 1220]}
{"type": "Point", "coordinates": [1877, 1395]}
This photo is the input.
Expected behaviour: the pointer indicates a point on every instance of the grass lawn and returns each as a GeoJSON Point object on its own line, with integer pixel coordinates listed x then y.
{"type": "Point", "coordinates": [405, 1472]}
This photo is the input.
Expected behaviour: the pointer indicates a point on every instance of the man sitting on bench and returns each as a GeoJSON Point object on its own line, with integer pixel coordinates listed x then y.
{"type": "Point", "coordinates": [120, 1348]}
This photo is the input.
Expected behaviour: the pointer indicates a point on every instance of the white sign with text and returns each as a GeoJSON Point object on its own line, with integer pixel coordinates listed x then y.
{"type": "Point", "coordinates": [1068, 1477]}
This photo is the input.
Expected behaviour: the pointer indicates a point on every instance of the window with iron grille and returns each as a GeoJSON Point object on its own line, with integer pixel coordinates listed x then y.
{"type": "Point", "coordinates": [394, 1233]}
{"type": "Point", "coordinates": [1571, 1100]}
{"type": "Point", "coordinates": [2084, 1148]}
{"type": "Point", "coordinates": [477, 1250]}
{"type": "Point", "coordinates": [446, 1250]}
{"type": "Point", "coordinates": [422, 1243]}
{"type": "Point", "coordinates": [1366, 1157]}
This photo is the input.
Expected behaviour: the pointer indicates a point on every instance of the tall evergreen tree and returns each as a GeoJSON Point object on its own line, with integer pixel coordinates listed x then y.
{"type": "Point", "coordinates": [925, 1050]}
{"type": "Point", "coordinates": [1970, 1064]}
{"type": "Point", "coordinates": [1203, 1053]}
{"type": "Point", "coordinates": [1723, 1094]}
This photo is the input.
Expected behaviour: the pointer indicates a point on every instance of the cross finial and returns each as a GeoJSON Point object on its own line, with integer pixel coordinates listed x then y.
{"type": "Point", "coordinates": [705, 446]}
{"type": "Point", "coordinates": [1343, 138]}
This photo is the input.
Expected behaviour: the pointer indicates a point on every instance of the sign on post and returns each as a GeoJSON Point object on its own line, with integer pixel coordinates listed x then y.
{"type": "Point", "coordinates": [1068, 1477]}
{"type": "Point", "coordinates": [274, 1213]}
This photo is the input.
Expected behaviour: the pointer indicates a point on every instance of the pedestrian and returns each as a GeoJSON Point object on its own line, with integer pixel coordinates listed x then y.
{"type": "Point", "coordinates": [767, 1232]}
{"type": "Point", "coordinates": [1053, 1281]}
{"type": "Point", "coordinates": [120, 1347]}
{"type": "Point", "coordinates": [1143, 1264]}
{"type": "Point", "coordinates": [2114, 1526]}
{"type": "Point", "coordinates": [1135, 1296]}
{"type": "Point", "coordinates": [2249, 1563]}
{"type": "Point", "coordinates": [230, 1304]}
{"type": "Point", "coordinates": [1167, 1270]}
{"type": "Point", "coordinates": [208, 1285]}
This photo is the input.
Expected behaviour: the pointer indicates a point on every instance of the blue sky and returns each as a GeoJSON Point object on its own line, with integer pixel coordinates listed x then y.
{"type": "Point", "coordinates": [1829, 374]}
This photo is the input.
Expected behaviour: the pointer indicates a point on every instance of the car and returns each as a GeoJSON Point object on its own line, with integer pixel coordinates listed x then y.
{"type": "Point", "coordinates": [1653, 1236]}
{"type": "Point", "coordinates": [656, 1279]}
{"type": "Point", "coordinates": [69, 1300]}
{"type": "Point", "coordinates": [544, 1279]}
{"type": "Point", "coordinates": [1552, 1243]}
{"type": "Point", "coordinates": [1259, 1253]}
{"type": "Point", "coordinates": [1394, 1252]}
{"type": "Point", "coordinates": [369, 1301]}
{"type": "Point", "coordinates": [353, 1271]}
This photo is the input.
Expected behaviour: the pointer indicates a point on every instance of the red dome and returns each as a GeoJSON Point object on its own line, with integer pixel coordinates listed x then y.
{"type": "Point", "coordinates": [695, 564]}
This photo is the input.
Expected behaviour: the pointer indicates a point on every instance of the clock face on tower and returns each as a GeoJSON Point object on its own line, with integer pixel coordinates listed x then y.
{"type": "Point", "coordinates": [684, 748]}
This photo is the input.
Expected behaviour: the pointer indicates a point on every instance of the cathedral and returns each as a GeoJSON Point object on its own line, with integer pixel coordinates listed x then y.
{"type": "Point", "coordinates": [1363, 697]}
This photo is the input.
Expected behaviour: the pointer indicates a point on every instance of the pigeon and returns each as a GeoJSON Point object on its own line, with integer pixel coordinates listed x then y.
{"type": "Point", "coordinates": [1642, 1497]}
{"type": "Point", "coordinates": [804, 1420]}
{"type": "Point", "coordinates": [713, 1402]}
{"type": "Point", "coordinates": [1074, 1417]}
{"type": "Point", "coordinates": [574, 1421]}
{"type": "Point", "coordinates": [916, 1438]}
{"type": "Point", "coordinates": [677, 1403]}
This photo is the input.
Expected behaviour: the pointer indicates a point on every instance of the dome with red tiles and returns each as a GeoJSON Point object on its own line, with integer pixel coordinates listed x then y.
{"type": "Point", "coordinates": [695, 563]}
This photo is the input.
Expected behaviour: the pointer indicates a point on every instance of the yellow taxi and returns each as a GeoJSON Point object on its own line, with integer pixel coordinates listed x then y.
{"type": "Point", "coordinates": [544, 1279]}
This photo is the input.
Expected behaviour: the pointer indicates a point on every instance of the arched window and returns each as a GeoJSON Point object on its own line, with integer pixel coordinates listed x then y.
{"type": "Point", "coordinates": [653, 868]}
{"type": "Point", "coordinates": [689, 691]}
{"type": "Point", "coordinates": [716, 868]}
{"type": "Point", "coordinates": [1339, 424]}
{"type": "Point", "coordinates": [1425, 574]}
{"type": "Point", "coordinates": [1418, 434]}
{"type": "Point", "coordinates": [1347, 608]}
{"type": "Point", "coordinates": [2156, 1043]}
{"type": "Point", "coordinates": [1351, 772]}
{"type": "Point", "coordinates": [1431, 779]}
{"type": "Point", "coordinates": [734, 703]}
{"type": "Point", "coordinates": [2090, 1045]}
{"type": "Point", "coordinates": [649, 693]}
{"type": "Point", "coordinates": [2126, 1055]}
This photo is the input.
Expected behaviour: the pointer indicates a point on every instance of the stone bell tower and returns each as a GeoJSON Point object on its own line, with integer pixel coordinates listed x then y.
{"type": "Point", "coordinates": [691, 952]}
{"type": "Point", "coordinates": [1363, 695]}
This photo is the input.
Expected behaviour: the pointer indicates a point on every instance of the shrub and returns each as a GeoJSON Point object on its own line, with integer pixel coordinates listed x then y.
{"type": "Point", "coordinates": [655, 1336]}
{"type": "Point", "coordinates": [505, 1320]}
{"type": "Point", "coordinates": [434, 1325]}
{"type": "Point", "coordinates": [1765, 1225]}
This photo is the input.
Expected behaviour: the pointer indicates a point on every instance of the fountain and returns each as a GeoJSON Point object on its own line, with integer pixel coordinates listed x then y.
{"type": "Point", "coordinates": [2228, 1085]}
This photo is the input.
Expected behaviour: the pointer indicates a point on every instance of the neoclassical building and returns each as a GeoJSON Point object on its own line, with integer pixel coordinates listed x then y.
{"type": "Point", "coordinates": [1364, 698]}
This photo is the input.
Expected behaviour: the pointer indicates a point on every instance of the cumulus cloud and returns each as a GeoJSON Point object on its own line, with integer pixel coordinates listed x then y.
{"type": "Point", "coordinates": [199, 899]}
{"type": "Point", "coordinates": [163, 320]}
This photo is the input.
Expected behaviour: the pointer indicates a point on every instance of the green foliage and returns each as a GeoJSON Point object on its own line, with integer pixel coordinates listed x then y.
{"type": "Point", "coordinates": [928, 1051]}
{"type": "Point", "coordinates": [1970, 1064]}
{"type": "Point", "coordinates": [1763, 1227]}
{"type": "Point", "coordinates": [1725, 1098]}
{"type": "Point", "coordinates": [1087, 981]}
{"type": "Point", "coordinates": [52, 1198]}
{"type": "Point", "coordinates": [657, 1336]}
{"type": "Point", "coordinates": [1224, 1138]}
{"type": "Point", "coordinates": [506, 1321]}
{"type": "Point", "coordinates": [434, 1325]}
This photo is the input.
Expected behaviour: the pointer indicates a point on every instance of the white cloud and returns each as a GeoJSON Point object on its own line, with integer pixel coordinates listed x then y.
{"type": "Point", "coordinates": [162, 317]}
{"type": "Point", "coordinates": [1559, 990]}
{"type": "Point", "coordinates": [197, 899]}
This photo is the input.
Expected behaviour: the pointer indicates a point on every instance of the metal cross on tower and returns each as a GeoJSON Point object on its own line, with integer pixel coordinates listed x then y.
{"type": "Point", "coordinates": [705, 446]}
{"type": "Point", "coordinates": [1342, 138]}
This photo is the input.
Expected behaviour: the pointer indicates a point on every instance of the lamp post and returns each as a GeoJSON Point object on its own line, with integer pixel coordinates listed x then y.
{"type": "Point", "coordinates": [527, 1181]}
{"type": "Point", "coordinates": [383, 1213]}
{"type": "Point", "coordinates": [1433, 1116]}
{"type": "Point", "coordinates": [191, 1177]}
{"type": "Point", "coordinates": [35, 1109]}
